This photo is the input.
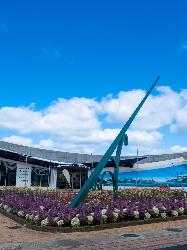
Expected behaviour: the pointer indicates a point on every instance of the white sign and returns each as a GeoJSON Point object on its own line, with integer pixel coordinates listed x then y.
{"type": "Point", "coordinates": [23, 176]}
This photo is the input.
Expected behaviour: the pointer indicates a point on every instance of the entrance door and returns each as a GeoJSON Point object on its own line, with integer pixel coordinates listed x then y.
{"type": "Point", "coordinates": [11, 177]}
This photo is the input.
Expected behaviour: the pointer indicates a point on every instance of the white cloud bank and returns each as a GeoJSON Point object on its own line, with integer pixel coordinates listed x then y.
{"type": "Point", "coordinates": [178, 149]}
{"type": "Point", "coordinates": [21, 140]}
{"type": "Point", "coordinates": [88, 125]}
{"type": "Point", "coordinates": [158, 111]}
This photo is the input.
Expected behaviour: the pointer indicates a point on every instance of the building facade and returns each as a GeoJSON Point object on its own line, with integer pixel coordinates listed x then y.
{"type": "Point", "coordinates": [21, 170]}
{"type": "Point", "coordinates": [23, 166]}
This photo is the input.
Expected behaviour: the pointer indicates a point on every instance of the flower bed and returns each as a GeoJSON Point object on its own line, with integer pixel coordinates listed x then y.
{"type": "Point", "coordinates": [52, 208]}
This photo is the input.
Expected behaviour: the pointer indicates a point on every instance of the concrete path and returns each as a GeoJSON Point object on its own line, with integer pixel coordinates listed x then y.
{"type": "Point", "coordinates": [165, 235]}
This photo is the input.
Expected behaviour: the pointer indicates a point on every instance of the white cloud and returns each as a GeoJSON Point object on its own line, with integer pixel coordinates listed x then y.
{"type": "Point", "coordinates": [183, 94]}
{"type": "Point", "coordinates": [20, 140]}
{"type": "Point", "coordinates": [158, 111]}
{"type": "Point", "coordinates": [178, 149]}
{"type": "Point", "coordinates": [25, 141]}
{"type": "Point", "coordinates": [136, 137]}
{"type": "Point", "coordinates": [21, 119]}
{"type": "Point", "coordinates": [120, 108]}
{"type": "Point", "coordinates": [142, 138]}
{"type": "Point", "coordinates": [73, 117]}
{"type": "Point", "coordinates": [180, 124]}
{"type": "Point", "coordinates": [74, 124]}
{"type": "Point", "coordinates": [181, 121]}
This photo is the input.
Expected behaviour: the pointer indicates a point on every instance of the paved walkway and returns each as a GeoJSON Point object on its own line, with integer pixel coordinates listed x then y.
{"type": "Point", "coordinates": [151, 236]}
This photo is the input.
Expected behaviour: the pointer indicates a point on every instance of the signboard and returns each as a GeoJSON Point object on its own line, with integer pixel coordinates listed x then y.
{"type": "Point", "coordinates": [152, 175]}
{"type": "Point", "coordinates": [23, 176]}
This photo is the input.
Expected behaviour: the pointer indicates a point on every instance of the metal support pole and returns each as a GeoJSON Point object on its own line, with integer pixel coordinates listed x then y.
{"type": "Point", "coordinates": [25, 170]}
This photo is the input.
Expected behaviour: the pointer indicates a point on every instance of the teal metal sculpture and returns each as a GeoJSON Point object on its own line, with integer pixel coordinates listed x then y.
{"type": "Point", "coordinates": [117, 144]}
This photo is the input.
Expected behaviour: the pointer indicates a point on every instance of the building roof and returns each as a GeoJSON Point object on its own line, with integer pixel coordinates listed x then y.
{"type": "Point", "coordinates": [123, 163]}
{"type": "Point", "coordinates": [11, 155]}
{"type": "Point", "coordinates": [75, 158]}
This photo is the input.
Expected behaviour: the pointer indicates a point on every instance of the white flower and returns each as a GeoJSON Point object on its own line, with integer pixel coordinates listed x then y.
{"type": "Point", "coordinates": [77, 215]}
{"type": "Point", "coordinates": [8, 210]}
{"type": "Point", "coordinates": [147, 215]}
{"type": "Point", "coordinates": [5, 207]}
{"type": "Point", "coordinates": [90, 219]}
{"type": "Point", "coordinates": [31, 216]}
{"type": "Point", "coordinates": [42, 207]}
{"type": "Point", "coordinates": [115, 216]}
{"type": "Point", "coordinates": [116, 210]}
{"type": "Point", "coordinates": [45, 222]}
{"type": "Point", "coordinates": [174, 213]}
{"type": "Point", "coordinates": [125, 210]}
{"type": "Point", "coordinates": [163, 215]}
{"type": "Point", "coordinates": [92, 214]}
{"type": "Point", "coordinates": [103, 211]}
{"type": "Point", "coordinates": [21, 213]}
{"type": "Point", "coordinates": [56, 219]}
{"type": "Point", "coordinates": [163, 208]}
{"type": "Point", "coordinates": [27, 216]}
{"type": "Point", "coordinates": [75, 222]}
{"type": "Point", "coordinates": [136, 214]}
{"type": "Point", "coordinates": [181, 210]}
{"type": "Point", "coordinates": [36, 218]}
{"type": "Point", "coordinates": [155, 210]}
{"type": "Point", "coordinates": [60, 223]}
{"type": "Point", "coordinates": [103, 218]}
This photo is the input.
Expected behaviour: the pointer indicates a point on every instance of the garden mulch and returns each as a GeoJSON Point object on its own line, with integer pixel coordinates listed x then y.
{"type": "Point", "coordinates": [14, 236]}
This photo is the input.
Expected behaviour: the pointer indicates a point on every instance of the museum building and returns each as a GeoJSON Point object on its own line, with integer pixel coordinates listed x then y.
{"type": "Point", "coordinates": [24, 170]}
{"type": "Point", "coordinates": [23, 166]}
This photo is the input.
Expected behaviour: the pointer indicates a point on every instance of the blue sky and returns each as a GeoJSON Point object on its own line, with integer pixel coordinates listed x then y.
{"type": "Point", "coordinates": [66, 49]}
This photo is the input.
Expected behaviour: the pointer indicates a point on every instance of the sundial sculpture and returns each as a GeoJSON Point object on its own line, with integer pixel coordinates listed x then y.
{"type": "Point", "coordinates": [117, 144]}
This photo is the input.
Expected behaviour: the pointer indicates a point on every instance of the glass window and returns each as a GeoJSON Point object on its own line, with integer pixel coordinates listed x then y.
{"type": "Point", "coordinates": [2, 175]}
{"type": "Point", "coordinates": [61, 180]}
{"type": "Point", "coordinates": [7, 173]}
{"type": "Point", "coordinates": [40, 177]}
{"type": "Point", "coordinates": [84, 177]}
